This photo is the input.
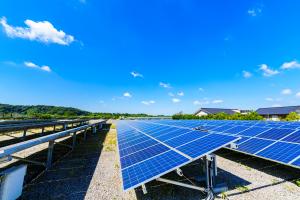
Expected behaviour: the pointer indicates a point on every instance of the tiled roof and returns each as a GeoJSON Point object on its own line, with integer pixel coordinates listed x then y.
{"type": "Point", "coordinates": [216, 110]}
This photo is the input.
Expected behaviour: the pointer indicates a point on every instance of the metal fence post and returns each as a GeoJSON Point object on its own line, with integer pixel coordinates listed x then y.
{"type": "Point", "coordinates": [24, 134]}
{"type": "Point", "coordinates": [50, 153]}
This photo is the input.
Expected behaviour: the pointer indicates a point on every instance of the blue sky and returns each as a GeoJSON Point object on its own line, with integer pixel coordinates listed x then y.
{"type": "Point", "coordinates": [156, 57]}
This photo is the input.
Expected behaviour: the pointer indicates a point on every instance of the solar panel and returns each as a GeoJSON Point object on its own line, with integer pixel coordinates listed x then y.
{"type": "Point", "coordinates": [148, 150]}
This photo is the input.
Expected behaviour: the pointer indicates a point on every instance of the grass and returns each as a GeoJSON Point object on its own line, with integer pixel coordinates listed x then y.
{"type": "Point", "coordinates": [224, 195]}
{"type": "Point", "coordinates": [110, 142]}
{"type": "Point", "coordinates": [242, 188]}
{"type": "Point", "coordinates": [297, 182]}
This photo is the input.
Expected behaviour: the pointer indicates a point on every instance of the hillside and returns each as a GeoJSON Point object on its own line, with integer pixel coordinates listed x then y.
{"type": "Point", "coordinates": [8, 111]}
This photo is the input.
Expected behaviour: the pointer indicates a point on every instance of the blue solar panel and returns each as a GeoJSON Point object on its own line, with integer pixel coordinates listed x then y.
{"type": "Point", "coordinates": [206, 144]}
{"type": "Point", "coordinates": [142, 155]}
{"type": "Point", "coordinates": [295, 137]}
{"type": "Point", "coordinates": [282, 152]}
{"type": "Point", "coordinates": [296, 163]}
{"type": "Point", "coordinates": [185, 138]}
{"type": "Point", "coordinates": [275, 133]}
{"type": "Point", "coordinates": [137, 147]}
{"type": "Point", "coordinates": [170, 135]}
{"type": "Point", "coordinates": [253, 131]}
{"type": "Point", "coordinates": [236, 129]}
{"type": "Point", "coordinates": [243, 139]}
{"type": "Point", "coordinates": [142, 145]}
{"type": "Point", "coordinates": [253, 145]}
{"type": "Point", "coordinates": [223, 128]}
{"type": "Point", "coordinates": [152, 168]}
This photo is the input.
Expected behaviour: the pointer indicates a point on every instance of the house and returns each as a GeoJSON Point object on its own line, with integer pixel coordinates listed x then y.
{"type": "Point", "coordinates": [207, 111]}
{"type": "Point", "coordinates": [277, 113]}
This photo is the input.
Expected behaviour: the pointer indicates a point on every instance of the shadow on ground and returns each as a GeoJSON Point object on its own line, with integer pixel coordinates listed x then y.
{"type": "Point", "coordinates": [70, 177]}
{"type": "Point", "coordinates": [286, 173]}
{"type": "Point", "coordinates": [194, 172]}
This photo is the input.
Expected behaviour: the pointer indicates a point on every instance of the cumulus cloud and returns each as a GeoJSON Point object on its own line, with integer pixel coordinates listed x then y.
{"type": "Point", "coordinates": [268, 71]}
{"type": "Point", "coordinates": [42, 31]}
{"type": "Point", "coordinates": [180, 94]}
{"type": "Point", "coordinates": [253, 12]}
{"type": "Point", "coordinates": [217, 101]}
{"type": "Point", "coordinates": [171, 94]}
{"type": "Point", "coordinates": [136, 74]}
{"type": "Point", "coordinates": [164, 85]}
{"type": "Point", "coordinates": [247, 74]}
{"type": "Point", "coordinates": [290, 65]}
{"type": "Point", "coordinates": [286, 91]}
{"type": "Point", "coordinates": [197, 102]}
{"type": "Point", "coordinates": [298, 94]}
{"type": "Point", "coordinates": [147, 103]}
{"type": "Point", "coordinates": [175, 100]}
{"type": "Point", "coordinates": [127, 94]}
{"type": "Point", "coordinates": [269, 99]}
{"type": "Point", "coordinates": [35, 66]}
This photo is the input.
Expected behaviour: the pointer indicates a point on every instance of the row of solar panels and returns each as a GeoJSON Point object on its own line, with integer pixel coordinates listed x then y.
{"type": "Point", "coordinates": [276, 141]}
{"type": "Point", "coordinates": [148, 151]}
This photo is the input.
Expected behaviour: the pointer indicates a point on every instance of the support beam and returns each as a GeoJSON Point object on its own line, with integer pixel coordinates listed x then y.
{"type": "Point", "coordinates": [24, 134]}
{"type": "Point", "coordinates": [43, 131]}
{"type": "Point", "coordinates": [181, 184]}
{"type": "Point", "coordinates": [84, 134]}
{"type": "Point", "coordinates": [29, 161]}
{"type": "Point", "coordinates": [94, 130]}
{"type": "Point", "coordinates": [65, 126]}
{"type": "Point", "coordinates": [50, 153]}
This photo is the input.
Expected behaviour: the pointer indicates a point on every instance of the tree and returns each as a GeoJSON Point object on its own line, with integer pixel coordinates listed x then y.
{"type": "Point", "coordinates": [293, 116]}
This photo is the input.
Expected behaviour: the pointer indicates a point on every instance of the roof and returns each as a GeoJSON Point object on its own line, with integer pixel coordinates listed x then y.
{"type": "Point", "coordinates": [278, 110]}
{"type": "Point", "coordinates": [217, 110]}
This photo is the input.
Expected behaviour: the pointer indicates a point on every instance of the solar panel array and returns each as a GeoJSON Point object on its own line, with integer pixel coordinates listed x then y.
{"type": "Point", "coordinates": [275, 141]}
{"type": "Point", "coordinates": [150, 150]}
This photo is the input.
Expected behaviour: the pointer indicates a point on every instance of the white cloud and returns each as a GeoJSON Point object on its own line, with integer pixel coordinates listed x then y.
{"type": "Point", "coordinates": [35, 66]}
{"type": "Point", "coordinates": [171, 94]}
{"type": "Point", "coordinates": [197, 102]}
{"type": "Point", "coordinates": [164, 85]}
{"type": "Point", "coordinates": [148, 102]}
{"type": "Point", "coordinates": [136, 74]}
{"type": "Point", "coordinates": [298, 94]}
{"type": "Point", "coordinates": [254, 12]}
{"type": "Point", "coordinates": [175, 100]}
{"type": "Point", "coordinates": [247, 74]}
{"type": "Point", "coordinates": [217, 101]}
{"type": "Point", "coordinates": [127, 94]}
{"type": "Point", "coordinates": [201, 89]}
{"type": "Point", "coordinates": [286, 91]}
{"type": "Point", "coordinates": [42, 31]}
{"type": "Point", "coordinates": [180, 94]}
{"type": "Point", "coordinates": [290, 65]}
{"type": "Point", "coordinates": [268, 71]}
{"type": "Point", "coordinates": [269, 99]}
{"type": "Point", "coordinates": [101, 102]}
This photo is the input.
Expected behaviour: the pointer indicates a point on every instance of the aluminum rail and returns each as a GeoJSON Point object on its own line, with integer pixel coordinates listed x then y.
{"type": "Point", "coordinates": [11, 149]}
{"type": "Point", "coordinates": [11, 122]}
{"type": "Point", "coordinates": [17, 127]}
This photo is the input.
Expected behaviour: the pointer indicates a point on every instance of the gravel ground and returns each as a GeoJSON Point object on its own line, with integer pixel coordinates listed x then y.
{"type": "Point", "coordinates": [91, 171]}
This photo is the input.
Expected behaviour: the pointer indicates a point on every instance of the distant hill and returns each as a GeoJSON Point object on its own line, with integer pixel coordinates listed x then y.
{"type": "Point", "coordinates": [46, 112]}
{"type": "Point", "coordinates": [7, 111]}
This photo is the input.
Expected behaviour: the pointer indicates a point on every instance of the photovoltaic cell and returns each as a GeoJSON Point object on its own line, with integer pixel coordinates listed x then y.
{"type": "Point", "coordinates": [151, 168]}
{"type": "Point", "coordinates": [185, 138]}
{"type": "Point", "coordinates": [275, 133]}
{"type": "Point", "coordinates": [295, 137]}
{"type": "Point", "coordinates": [206, 144]}
{"type": "Point", "coordinates": [137, 147]}
{"type": "Point", "coordinates": [253, 131]}
{"type": "Point", "coordinates": [253, 145]}
{"type": "Point", "coordinates": [282, 152]}
{"type": "Point", "coordinates": [142, 155]}
{"type": "Point", "coordinates": [296, 163]}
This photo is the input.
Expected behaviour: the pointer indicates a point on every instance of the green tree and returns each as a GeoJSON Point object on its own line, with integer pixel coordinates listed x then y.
{"type": "Point", "coordinates": [293, 116]}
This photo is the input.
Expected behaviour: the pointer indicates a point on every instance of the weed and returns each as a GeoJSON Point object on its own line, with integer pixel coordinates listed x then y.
{"type": "Point", "coordinates": [242, 188]}
{"type": "Point", "coordinates": [297, 182]}
{"type": "Point", "coordinates": [224, 195]}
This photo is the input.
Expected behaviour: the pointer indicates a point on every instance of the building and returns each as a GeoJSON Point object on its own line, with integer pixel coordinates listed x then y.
{"type": "Point", "coordinates": [277, 113]}
{"type": "Point", "coordinates": [207, 111]}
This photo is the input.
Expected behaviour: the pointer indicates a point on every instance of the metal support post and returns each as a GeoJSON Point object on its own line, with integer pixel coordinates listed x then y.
{"type": "Point", "coordinates": [100, 126]}
{"type": "Point", "coordinates": [74, 140]}
{"type": "Point", "coordinates": [84, 134]}
{"type": "Point", "coordinates": [50, 153]}
{"type": "Point", "coordinates": [24, 134]}
{"type": "Point", "coordinates": [43, 131]}
{"type": "Point", "coordinates": [54, 128]}
{"type": "Point", "coordinates": [94, 130]}
{"type": "Point", "coordinates": [65, 126]}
